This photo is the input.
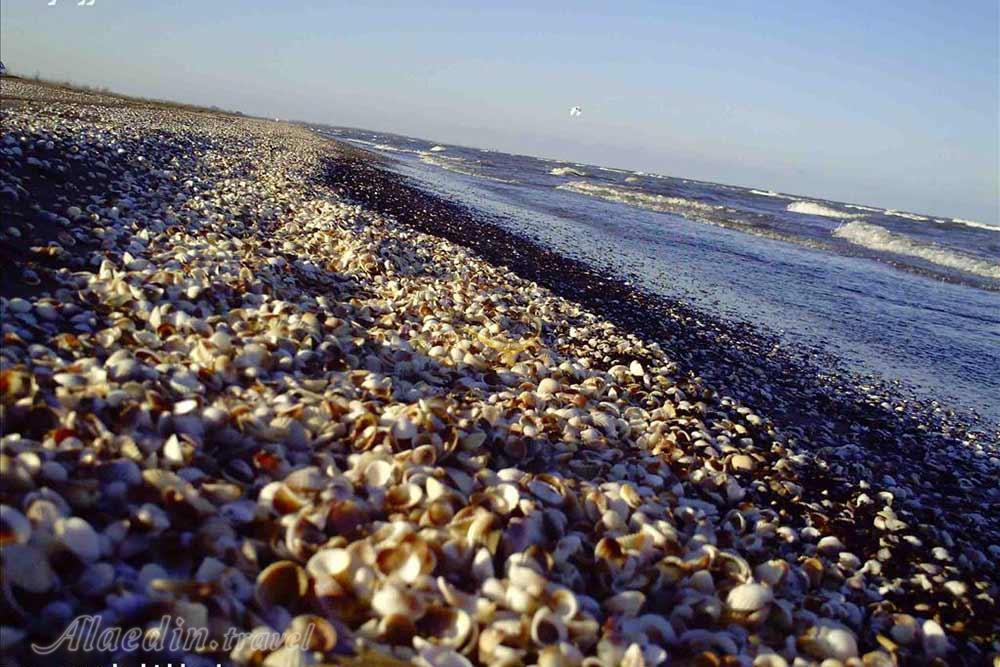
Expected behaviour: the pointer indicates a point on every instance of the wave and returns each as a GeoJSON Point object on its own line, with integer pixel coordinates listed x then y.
{"type": "Point", "coordinates": [863, 208]}
{"type": "Point", "coordinates": [812, 208]}
{"type": "Point", "coordinates": [637, 198]}
{"type": "Point", "coordinates": [567, 171]}
{"type": "Point", "coordinates": [380, 147]}
{"type": "Point", "coordinates": [632, 179]}
{"type": "Point", "coordinates": [770, 193]}
{"type": "Point", "coordinates": [977, 225]}
{"type": "Point", "coordinates": [459, 166]}
{"type": "Point", "coordinates": [874, 237]}
{"type": "Point", "coordinates": [438, 149]}
{"type": "Point", "coordinates": [908, 216]}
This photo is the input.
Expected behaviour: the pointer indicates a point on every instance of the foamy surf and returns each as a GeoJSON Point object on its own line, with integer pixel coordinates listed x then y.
{"type": "Point", "coordinates": [977, 225]}
{"type": "Point", "coordinates": [458, 166]}
{"type": "Point", "coordinates": [438, 149]}
{"type": "Point", "coordinates": [770, 193]}
{"type": "Point", "coordinates": [812, 208]}
{"type": "Point", "coordinates": [908, 216]}
{"type": "Point", "coordinates": [567, 171]}
{"type": "Point", "coordinates": [878, 238]}
{"type": "Point", "coordinates": [637, 198]}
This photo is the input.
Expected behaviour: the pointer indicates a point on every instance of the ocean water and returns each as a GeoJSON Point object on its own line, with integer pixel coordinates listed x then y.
{"type": "Point", "coordinates": [909, 297]}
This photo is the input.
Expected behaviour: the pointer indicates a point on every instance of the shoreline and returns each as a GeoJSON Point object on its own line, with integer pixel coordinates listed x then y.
{"type": "Point", "coordinates": [693, 338]}
{"type": "Point", "coordinates": [272, 385]}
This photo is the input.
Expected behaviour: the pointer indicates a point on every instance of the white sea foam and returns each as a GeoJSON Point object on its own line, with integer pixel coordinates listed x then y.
{"type": "Point", "coordinates": [812, 208]}
{"type": "Point", "coordinates": [769, 193]}
{"type": "Point", "coordinates": [438, 149]}
{"type": "Point", "coordinates": [908, 216]}
{"type": "Point", "coordinates": [863, 208]}
{"type": "Point", "coordinates": [459, 166]}
{"type": "Point", "coordinates": [874, 237]}
{"type": "Point", "coordinates": [978, 225]}
{"type": "Point", "coordinates": [567, 171]}
{"type": "Point", "coordinates": [637, 198]}
{"type": "Point", "coordinates": [632, 179]}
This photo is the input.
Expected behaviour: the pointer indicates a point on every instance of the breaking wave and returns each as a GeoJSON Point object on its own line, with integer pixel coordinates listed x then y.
{"type": "Point", "coordinates": [567, 171]}
{"type": "Point", "coordinates": [864, 208]}
{"type": "Point", "coordinates": [977, 225]}
{"type": "Point", "coordinates": [459, 166]}
{"type": "Point", "coordinates": [438, 149]}
{"type": "Point", "coordinates": [908, 216]}
{"type": "Point", "coordinates": [770, 193]}
{"type": "Point", "coordinates": [812, 208]}
{"type": "Point", "coordinates": [874, 237]}
{"type": "Point", "coordinates": [638, 198]}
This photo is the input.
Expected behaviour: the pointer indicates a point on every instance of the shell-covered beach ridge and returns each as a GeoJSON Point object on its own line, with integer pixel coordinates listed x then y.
{"type": "Point", "coordinates": [233, 395]}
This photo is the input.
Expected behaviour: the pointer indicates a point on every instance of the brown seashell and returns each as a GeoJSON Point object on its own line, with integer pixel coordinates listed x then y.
{"type": "Point", "coordinates": [311, 632]}
{"type": "Point", "coordinates": [281, 584]}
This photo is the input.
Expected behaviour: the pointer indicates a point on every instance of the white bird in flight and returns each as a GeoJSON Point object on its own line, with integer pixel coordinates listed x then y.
{"type": "Point", "coordinates": [575, 111]}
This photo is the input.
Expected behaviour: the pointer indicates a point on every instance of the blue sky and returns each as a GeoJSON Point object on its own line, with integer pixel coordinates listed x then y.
{"type": "Point", "coordinates": [888, 103]}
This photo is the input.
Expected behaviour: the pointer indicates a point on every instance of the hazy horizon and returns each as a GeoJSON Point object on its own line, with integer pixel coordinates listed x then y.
{"type": "Point", "coordinates": [892, 106]}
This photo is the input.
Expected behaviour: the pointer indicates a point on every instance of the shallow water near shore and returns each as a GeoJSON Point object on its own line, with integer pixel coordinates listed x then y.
{"type": "Point", "coordinates": [908, 297]}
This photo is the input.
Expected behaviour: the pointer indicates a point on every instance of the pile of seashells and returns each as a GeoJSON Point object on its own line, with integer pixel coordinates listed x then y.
{"type": "Point", "coordinates": [246, 403]}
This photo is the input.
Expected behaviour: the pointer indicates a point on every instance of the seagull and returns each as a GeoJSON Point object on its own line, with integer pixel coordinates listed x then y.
{"type": "Point", "coordinates": [576, 111]}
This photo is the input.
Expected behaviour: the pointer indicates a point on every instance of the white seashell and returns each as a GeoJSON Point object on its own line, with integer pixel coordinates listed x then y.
{"type": "Point", "coordinates": [378, 474]}
{"type": "Point", "coordinates": [336, 563]}
{"type": "Point", "coordinates": [831, 640]}
{"type": "Point", "coordinates": [547, 628]}
{"type": "Point", "coordinates": [547, 387]}
{"type": "Point", "coordinates": [935, 642]}
{"type": "Point", "coordinates": [747, 598]}
{"type": "Point", "coordinates": [76, 535]}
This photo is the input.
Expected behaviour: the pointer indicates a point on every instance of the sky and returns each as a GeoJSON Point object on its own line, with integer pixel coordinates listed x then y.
{"type": "Point", "coordinates": [895, 104]}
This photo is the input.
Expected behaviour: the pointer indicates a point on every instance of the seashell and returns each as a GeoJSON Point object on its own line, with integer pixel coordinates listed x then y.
{"type": "Point", "coordinates": [935, 642]}
{"type": "Point", "coordinates": [336, 563]}
{"type": "Point", "coordinates": [564, 603]}
{"type": "Point", "coordinates": [289, 656]}
{"type": "Point", "coordinates": [77, 536]}
{"type": "Point", "coordinates": [748, 598]}
{"type": "Point", "coordinates": [547, 387]}
{"type": "Point", "coordinates": [14, 526]}
{"type": "Point", "coordinates": [829, 640]}
{"type": "Point", "coordinates": [545, 492]}
{"type": "Point", "coordinates": [830, 546]}
{"type": "Point", "coordinates": [446, 626]}
{"type": "Point", "coordinates": [378, 473]}
{"type": "Point", "coordinates": [281, 584]}
{"type": "Point", "coordinates": [904, 628]}
{"type": "Point", "coordinates": [627, 603]}
{"type": "Point", "coordinates": [547, 628]}
{"type": "Point", "coordinates": [404, 496]}
{"type": "Point", "coordinates": [407, 561]}
{"type": "Point", "coordinates": [311, 632]}
{"type": "Point", "coordinates": [391, 600]}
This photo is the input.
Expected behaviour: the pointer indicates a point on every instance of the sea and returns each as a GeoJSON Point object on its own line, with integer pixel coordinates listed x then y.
{"type": "Point", "coordinates": [907, 297]}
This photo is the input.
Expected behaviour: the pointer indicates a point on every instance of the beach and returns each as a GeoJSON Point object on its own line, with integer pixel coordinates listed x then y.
{"type": "Point", "coordinates": [252, 379]}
